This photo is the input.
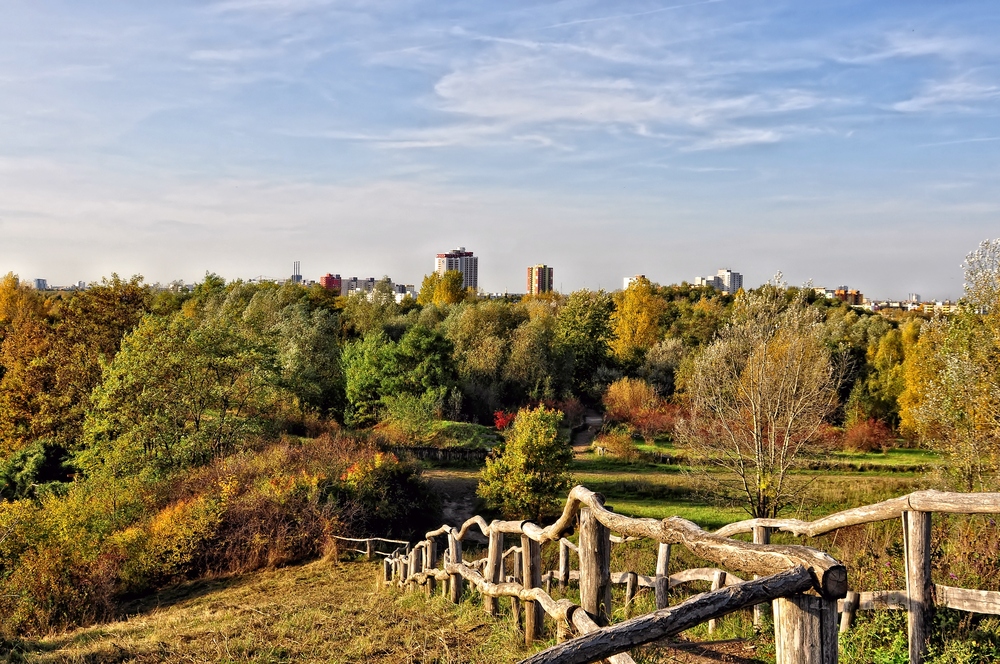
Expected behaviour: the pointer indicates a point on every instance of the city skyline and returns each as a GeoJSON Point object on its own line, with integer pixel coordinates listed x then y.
{"type": "Point", "coordinates": [836, 142]}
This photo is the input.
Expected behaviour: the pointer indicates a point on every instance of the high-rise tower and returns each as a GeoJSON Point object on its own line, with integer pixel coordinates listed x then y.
{"type": "Point", "coordinates": [463, 261]}
{"type": "Point", "coordinates": [539, 279]}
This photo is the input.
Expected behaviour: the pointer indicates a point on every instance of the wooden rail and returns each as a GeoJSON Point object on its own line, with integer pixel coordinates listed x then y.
{"type": "Point", "coordinates": [805, 623]}
{"type": "Point", "coordinates": [921, 596]}
{"type": "Point", "coordinates": [786, 572]}
{"type": "Point", "coordinates": [370, 544]}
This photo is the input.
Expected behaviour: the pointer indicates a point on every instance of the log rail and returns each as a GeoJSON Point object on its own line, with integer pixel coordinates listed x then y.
{"type": "Point", "coordinates": [783, 573]}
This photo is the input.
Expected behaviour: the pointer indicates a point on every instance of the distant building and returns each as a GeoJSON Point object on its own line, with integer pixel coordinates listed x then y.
{"type": "Point", "coordinates": [913, 297]}
{"type": "Point", "coordinates": [725, 280]}
{"type": "Point", "coordinates": [463, 261]}
{"type": "Point", "coordinates": [403, 291]}
{"type": "Point", "coordinates": [627, 281]}
{"type": "Point", "coordinates": [331, 282]}
{"type": "Point", "coordinates": [849, 296]}
{"type": "Point", "coordinates": [296, 273]}
{"type": "Point", "coordinates": [539, 279]}
{"type": "Point", "coordinates": [41, 284]}
{"type": "Point", "coordinates": [355, 285]}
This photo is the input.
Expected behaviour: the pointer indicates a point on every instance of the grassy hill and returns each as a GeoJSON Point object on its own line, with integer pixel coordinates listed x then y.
{"type": "Point", "coordinates": [325, 611]}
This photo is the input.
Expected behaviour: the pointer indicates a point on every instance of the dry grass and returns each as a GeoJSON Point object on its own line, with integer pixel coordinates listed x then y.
{"type": "Point", "coordinates": [320, 612]}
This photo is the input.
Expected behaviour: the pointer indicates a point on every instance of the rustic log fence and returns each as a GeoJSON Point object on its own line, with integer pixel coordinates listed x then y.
{"type": "Point", "coordinates": [921, 595]}
{"type": "Point", "coordinates": [806, 587]}
{"type": "Point", "coordinates": [803, 583]}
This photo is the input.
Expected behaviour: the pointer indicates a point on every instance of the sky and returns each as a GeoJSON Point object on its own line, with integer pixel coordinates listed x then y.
{"type": "Point", "coordinates": [838, 142]}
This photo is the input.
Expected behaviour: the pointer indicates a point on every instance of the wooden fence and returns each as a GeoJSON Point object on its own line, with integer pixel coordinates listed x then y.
{"type": "Point", "coordinates": [921, 596]}
{"type": "Point", "coordinates": [803, 583]}
{"type": "Point", "coordinates": [807, 587]}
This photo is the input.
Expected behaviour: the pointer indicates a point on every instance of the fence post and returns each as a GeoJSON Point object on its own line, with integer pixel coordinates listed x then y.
{"type": "Point", "coordinates": [430, 563]}
{"type": "Point", "coordinates": [369, 550]}
{"type": "Point", "coordinates": [662, 576]}
{"type": "Point", "coordinates": [631, 583]}
{"type": "Point", "coordinates": [595, 567]}
{"type": "Point", "coordinates": [531, 556]}
{"type": "Point", "coordinates": [386, 570]}
{"type": "Point", "coordinates": [457, 582]}
{"type": "Point", "coordinates": [563, 565]}
{"type": "Point", "coordinates": [851, 602]}
{"type": "Point", "coordinates": [494, 569]}
{"type": "Point", "coordinates": [805, 630]}
{"type": "Point", "coordinates": [515, 602]}
{"type": "Point", "coordinates": [919, 598]}
{"type": "Point", "coordinates": [761, 535]}
{"type": "Point", "coordinates": [718, 581]}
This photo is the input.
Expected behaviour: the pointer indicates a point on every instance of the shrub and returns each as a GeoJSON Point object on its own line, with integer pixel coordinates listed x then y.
{"type": "Point", "coordinates": [867, 436]}
{"type": "Point", "coordinates": [526, 476]}
{"type": "Point", "coordinates": [503, 419]}
{"type": "Point", "coordinates": [635, 402]}
{"type": "Point", "coordinates": [619, 444]}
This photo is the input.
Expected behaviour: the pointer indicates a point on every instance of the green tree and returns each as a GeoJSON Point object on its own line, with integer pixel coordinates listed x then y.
{"type": "Point", "coordinates": [583, 336]}
{"type": "Point", "coordinates": [528, 475]}
{"type": "Point", "coordinates": [180, 393]}
{"type": "Point", "coordinates": [366, 363]}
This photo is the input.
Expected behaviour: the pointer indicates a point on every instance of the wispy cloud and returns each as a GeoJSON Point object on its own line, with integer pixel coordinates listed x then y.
{"type": "Point", "coordinates": [958, 94]}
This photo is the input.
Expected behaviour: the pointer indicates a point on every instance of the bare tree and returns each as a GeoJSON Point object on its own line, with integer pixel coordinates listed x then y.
{"type": "Point", "coordinates": [758, 394]}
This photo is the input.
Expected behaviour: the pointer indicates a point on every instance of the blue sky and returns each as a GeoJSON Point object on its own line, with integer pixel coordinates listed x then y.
{"type": "Point", "coordinates": [851, 143]}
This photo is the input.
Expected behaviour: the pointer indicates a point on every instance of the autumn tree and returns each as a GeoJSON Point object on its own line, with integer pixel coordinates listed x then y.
{"type": "Point", "coordinates": [952, 380]}
{"type": "Point", "coordinates": [636, 322]}
{"type": "Point", "coordinates": [758, 396]}
{"type": "Point", "coordinates": [527, 476]}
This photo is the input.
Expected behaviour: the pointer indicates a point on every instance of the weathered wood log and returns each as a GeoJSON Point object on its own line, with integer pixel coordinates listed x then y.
{"type": "Point", "coordinates": [670, 621]}
{"type": "Point", "coordinates": [919, 590]}
{"type": "Point", "coordinates": [631, 585]}
{"type": "Point", "coordinates": [431, 561]}
{"type": "Point", "coordinates": [456, 583]}
{"type": "Point", "coordinates": [881, 599]}
{"type": "Point", "coordinates": [701, 574]}
{"type": "Point", "coordinates": [662, 576]}
{"type": "Point", "coordinates": [920, 501]}
{"type": "Point", "coordinates": [595, 567]}
{"type": "Point", "coordinates": [494, 568]}
{"type": "Point", "coordinates": [975, 601]}
{"type": "Point", "coordinates": [849, 610]}
{"type": "Point", "coordinates": [531, 560]}
{"type": "Point", "coordinates": [805, 630]}
{"type": "Point", "coordinates": [563, 563]}
{"type": "Point", "coordinates": [718, 581]}
{"type": "Point", "coordinates": [830, 575]}
{"type": "Point", "coordinates": [761, 535]}
{"type": "Point", "coordinates": [369, 550]}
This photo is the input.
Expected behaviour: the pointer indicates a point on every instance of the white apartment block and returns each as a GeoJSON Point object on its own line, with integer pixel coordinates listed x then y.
{"type": "Point", "coordinates": [463, 261]}
{"type": "Point", "coordinates": [725, 280]}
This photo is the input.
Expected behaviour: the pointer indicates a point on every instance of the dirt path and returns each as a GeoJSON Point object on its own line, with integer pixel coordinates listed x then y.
{"type": "Point", "coordinates": [582, 439]}
{"type": "Point", "coordinates": [457, 488]}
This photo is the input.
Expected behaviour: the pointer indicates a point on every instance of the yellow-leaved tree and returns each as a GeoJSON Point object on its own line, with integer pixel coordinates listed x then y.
{"type": "Point", "coordinates": [637, 320]}
{"type": "Point", "coordinates": [951, 399]}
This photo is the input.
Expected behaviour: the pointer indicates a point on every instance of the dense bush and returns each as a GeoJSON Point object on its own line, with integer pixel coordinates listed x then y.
{"type": "Point", "coordinates": [69, 559]}
{"type": "Point", "coordinates": [526, 476]}
{"type": "Point", "coordinates": [867, 436]}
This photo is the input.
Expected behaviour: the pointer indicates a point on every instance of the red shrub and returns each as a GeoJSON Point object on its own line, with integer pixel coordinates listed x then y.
{"type": "Point", "coordinates": [867, 436]}
{"type": "Point", "coordinates": [503, 419]}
